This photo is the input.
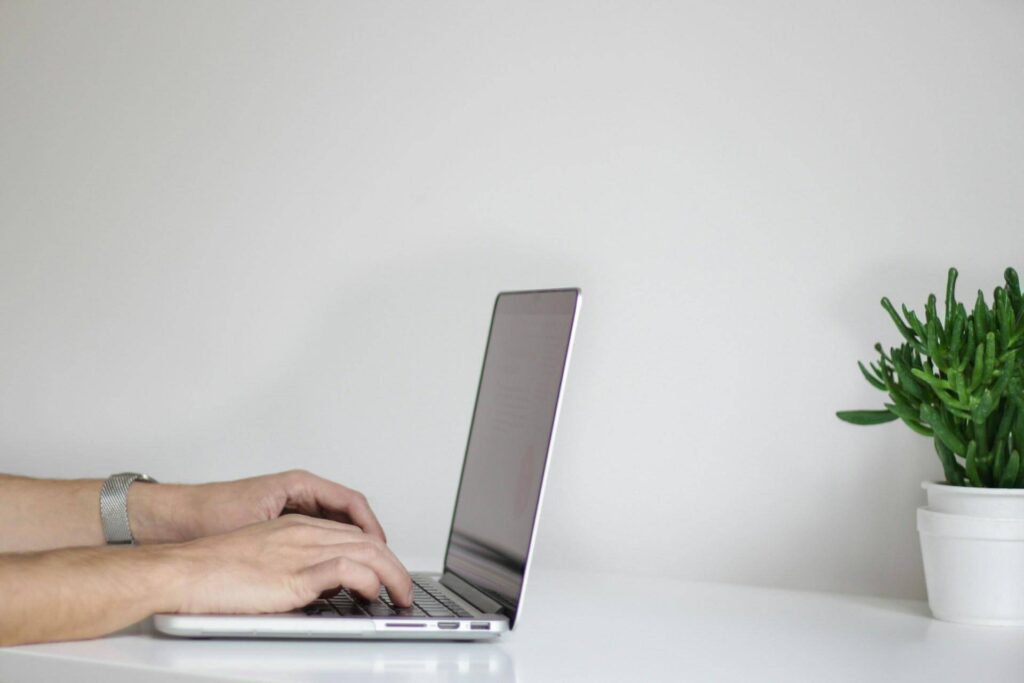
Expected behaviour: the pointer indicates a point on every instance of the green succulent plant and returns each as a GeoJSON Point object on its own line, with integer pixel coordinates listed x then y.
{"type": "Point", "coordinates": [959, 379]}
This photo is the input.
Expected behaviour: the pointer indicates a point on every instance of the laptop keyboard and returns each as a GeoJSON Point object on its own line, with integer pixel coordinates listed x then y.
{"type": "Point", "coordinates": [428, 601]}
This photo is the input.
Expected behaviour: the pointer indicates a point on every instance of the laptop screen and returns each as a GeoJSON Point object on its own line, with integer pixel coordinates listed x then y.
{"type": "Point", "coordinates": [509, 440]}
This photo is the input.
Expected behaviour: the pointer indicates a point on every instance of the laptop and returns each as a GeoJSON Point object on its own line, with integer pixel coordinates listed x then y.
{"type": "Point", "coordinates": [479, 594]}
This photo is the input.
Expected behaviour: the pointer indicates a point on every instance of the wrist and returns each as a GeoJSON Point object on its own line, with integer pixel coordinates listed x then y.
{"type": "Point", "coordinates": [159, 513]}
{"type": "Point", "coordinates": [166, 567]}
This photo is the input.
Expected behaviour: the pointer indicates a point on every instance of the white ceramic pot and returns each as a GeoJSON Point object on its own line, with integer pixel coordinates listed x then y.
{"type": "Point", "coordinates": [974, 567]}
{"type": "Point", "coordinates": [972, 542]}
{"type": "Point", "coordinates": [967, 500]}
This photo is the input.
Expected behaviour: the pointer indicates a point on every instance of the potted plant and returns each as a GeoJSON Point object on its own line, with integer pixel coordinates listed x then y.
{"type": "Point", "coordinates": [958, 379]}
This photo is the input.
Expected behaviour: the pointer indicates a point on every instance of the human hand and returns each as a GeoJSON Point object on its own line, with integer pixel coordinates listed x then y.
{"type": "Point", "coordinates": [162, 513]}
{"type": "Point", "coordinates": [279, 565]}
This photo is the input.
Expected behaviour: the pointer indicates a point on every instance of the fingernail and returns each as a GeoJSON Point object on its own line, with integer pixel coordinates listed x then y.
{"type": "Point", "coordinates": [409, 598]}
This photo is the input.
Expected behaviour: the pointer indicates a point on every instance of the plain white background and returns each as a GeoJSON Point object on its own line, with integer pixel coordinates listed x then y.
{"type": "Point", "coordinates": [243, 237]}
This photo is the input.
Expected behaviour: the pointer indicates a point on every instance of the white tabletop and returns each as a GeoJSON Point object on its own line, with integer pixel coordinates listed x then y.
{"type": "Point", "coordinates": [586, 627]}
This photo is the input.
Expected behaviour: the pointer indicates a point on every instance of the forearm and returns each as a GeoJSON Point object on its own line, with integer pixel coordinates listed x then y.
{"type": "Point", "coordinates": [84, 592]}
{"type": "Point", "coordinates": [39, 514]}
{"type": "Point", "coordinates": [44, 514]}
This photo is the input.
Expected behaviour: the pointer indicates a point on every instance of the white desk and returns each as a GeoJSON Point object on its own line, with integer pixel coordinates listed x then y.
{"type": "Point", "coordinates": [583, 628]}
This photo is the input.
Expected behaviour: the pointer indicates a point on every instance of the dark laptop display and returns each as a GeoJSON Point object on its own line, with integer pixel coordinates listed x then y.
{"type": "Point", "coordinates": [509, 441]}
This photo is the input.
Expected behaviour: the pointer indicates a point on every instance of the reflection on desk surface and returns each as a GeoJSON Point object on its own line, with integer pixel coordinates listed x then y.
{"type": "Point", "coordinates": [384, 660]}
{"type": "Point", "coordinates": [689, 632]}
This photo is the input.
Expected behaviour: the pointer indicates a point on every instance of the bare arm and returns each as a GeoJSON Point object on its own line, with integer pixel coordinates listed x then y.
{"type": "Point", "coordinates": [39, 514]}
{"type": "Point", "coordinates": [79, 592]}
{"type": "Point", "coordinates": [266, 567]}
{"type": "Point", "coordinates": [44, 514]}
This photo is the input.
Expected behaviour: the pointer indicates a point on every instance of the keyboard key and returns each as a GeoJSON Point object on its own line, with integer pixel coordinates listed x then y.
{"type": "Point", "coordinates": [377, 609]}
{"type": "Point", "coordinates": [323, 612]}
{"type": "Point", "coordinates": [433, 599]}
{"type": "Point", "coordinates": [319, 608]}
{"type": "Point", "coordinates": [346, 606]}
{"type": "Point", "coordinates": [438, 612]}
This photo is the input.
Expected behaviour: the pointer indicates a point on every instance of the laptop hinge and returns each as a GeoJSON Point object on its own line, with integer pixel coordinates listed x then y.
{"type": "Point", "coordinates": [471, 595]}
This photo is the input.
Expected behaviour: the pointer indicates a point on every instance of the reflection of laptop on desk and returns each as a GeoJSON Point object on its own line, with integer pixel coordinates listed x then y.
{"type": "Point", "coordinates": [480, 592]}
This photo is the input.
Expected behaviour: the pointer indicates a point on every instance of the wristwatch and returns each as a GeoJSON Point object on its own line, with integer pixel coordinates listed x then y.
{"type": "Point", "coordinates": [114, 506]}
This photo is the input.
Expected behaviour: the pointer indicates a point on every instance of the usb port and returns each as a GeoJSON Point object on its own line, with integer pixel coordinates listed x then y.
{"type": "Point", "coordinates": [480, 626]}
{"type": "Point", "coordinates": [448, 625]}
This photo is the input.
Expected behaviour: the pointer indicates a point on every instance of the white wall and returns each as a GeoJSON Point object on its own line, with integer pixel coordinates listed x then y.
{"type": "Point", "coordinates": [236, 238]}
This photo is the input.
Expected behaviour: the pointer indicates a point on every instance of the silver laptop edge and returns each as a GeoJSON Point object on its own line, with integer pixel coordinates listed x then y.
{"type": "Point", "coordinates": [489, 617]}
{"type": "Point", "coordinates": [547, 456]}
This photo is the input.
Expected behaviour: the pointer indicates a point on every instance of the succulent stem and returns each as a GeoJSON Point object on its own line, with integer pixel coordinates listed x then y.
{"type": "Point", "coordinates": [959, 381]}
